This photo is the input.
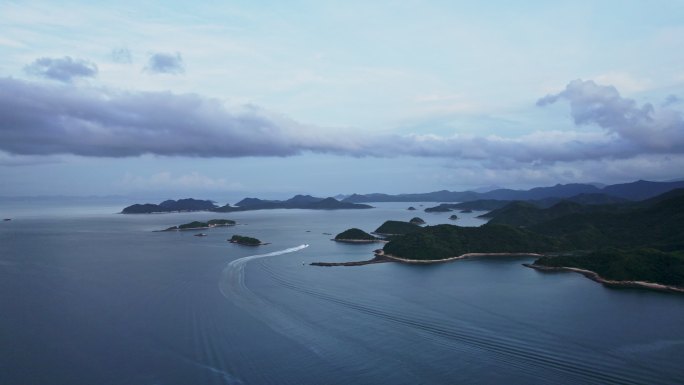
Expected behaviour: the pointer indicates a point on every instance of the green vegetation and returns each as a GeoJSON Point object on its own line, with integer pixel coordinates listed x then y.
{"type": "Point", "coordinates": [242, 240]}
{"type": "Point", "coordinates": [202, 225]}
{"type": "Point", "coordinates": [446, 241]}
{"type": "Point", "coordinates": [354, 234]}
{"type": "Point", "coordinates": [626, 265]}
{"type": "Point", "coordinates": [642, 241]}
{"type": "Point", "coordinates": [417, 221]}
{"type": "Point", "coordinates": [396, 228]}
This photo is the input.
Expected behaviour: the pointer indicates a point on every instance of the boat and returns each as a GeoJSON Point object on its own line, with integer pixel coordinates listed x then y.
{"type": "Point", "coordinates": [201, 235]}
{"type": "Point", "coordinates": [7, 219]}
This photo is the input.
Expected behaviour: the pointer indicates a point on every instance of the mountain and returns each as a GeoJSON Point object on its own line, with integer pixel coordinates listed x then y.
{"type": "Point", "coordinates": [641, 189]}
{"type": "Point", "coordinates": [566, 226]}
{"type": "Point", "coordinates": [168, 206]}
{"type": "Point", "coordinates": [638, 190]}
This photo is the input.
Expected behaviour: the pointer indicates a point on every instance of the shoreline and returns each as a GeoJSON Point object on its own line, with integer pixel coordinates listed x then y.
{"type": "Point", "coordinates": [380, 257]}
{"type": "Point", "coordinates": [359, 240]}
{"type": "Point", "coordinates": [608, 282]}
{"type": "Point", "coordinates": [381, 252]}
{"type": "Point", "coordinates": [195, 228]}
{"type": "Point", "coordinates": [377, 259]}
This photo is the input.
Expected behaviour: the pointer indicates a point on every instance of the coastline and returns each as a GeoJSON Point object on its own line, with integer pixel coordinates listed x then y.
{"type": "Point", "coordinates": [607, 282]}
{"type": "Point", "coordinates": [359, 240]}
{"type": "Point", "coordinates": [381, 252]}
{"type": "Point", "coordinates": [377, 259]}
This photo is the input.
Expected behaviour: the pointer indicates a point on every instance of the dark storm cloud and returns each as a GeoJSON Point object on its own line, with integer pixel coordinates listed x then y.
{"type": "Point", "coordinates": [39, 119]}
{"type": "Point", "coordinates": [62, 69]}
{"type": "Point", "coordinates": [165, 63]}
{"type": "Point", "coordinates": [43, 119]}
{"type": "Point", "coordinates": [644, 127]}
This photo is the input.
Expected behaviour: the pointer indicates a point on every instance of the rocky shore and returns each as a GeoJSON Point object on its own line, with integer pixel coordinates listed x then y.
{"type": "Point", "coordinates": [607, 282]}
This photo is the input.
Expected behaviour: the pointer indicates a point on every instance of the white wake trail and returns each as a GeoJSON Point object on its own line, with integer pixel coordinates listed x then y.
{"type": "Point", "coordinates": [232, 284]}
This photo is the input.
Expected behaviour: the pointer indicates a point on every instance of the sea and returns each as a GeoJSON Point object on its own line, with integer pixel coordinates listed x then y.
{"type": "Point", "coordinates": [90, 296]}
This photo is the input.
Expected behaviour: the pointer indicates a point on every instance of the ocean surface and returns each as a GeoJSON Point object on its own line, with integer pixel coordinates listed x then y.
{"type": "Point", "coordinates": [88, 296]}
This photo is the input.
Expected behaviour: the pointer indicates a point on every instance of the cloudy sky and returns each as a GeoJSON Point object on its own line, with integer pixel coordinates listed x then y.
{"type": "Point", "coordinates": [327, 97]}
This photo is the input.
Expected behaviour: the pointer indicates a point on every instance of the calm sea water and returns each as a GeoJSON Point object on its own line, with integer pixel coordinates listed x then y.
{"type": "Point", "coordinates": [92, 297]}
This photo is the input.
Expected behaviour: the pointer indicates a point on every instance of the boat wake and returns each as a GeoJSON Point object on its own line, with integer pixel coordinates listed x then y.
{"type": "Point", "coordinates": [232, 284]}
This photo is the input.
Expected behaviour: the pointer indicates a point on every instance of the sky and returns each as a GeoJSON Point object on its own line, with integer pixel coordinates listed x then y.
{"type": "Point", "coordinates": [272, 98]}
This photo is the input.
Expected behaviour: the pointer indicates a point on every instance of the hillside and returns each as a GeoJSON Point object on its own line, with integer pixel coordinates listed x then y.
{"type": "Point", "coordinates": [446, 241]}
{"type": "Point", "coordinates": [396, 228]}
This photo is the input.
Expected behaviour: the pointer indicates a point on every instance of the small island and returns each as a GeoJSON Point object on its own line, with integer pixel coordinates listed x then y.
{"type": "Point", "coordinates": [411, 208]}
{"type": "Point", "coordinates": [355, 235]}
{"type": "Point", "coordinates": [245, 241]}
{"type": "Point", "coordinates": [392, 228]}
{"type": "Point", "coordinates": [453, 217]}
{"type": "Point", "coordinates": [197, 225]}
{"type": "Point", "coordinates": [417, 221]}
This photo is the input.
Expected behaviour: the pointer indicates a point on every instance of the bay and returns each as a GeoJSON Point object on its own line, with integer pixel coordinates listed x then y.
{"type": "Point", "coordinates": [88, 296]}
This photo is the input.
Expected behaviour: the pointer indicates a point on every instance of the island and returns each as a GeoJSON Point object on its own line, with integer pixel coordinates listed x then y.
{"type": "Point", "coordinates": [393, 228]}
{"type": "Point", "coordinates": [169, 206]}
{"type": "Point", "coordinates": [417, 221]}
{"type": "Point", "coordinates": [297, 202]}
{"type": "Point", "coordinates": [411, 208]}
{"type": "Point", "coordinates": [7, 219]}
{"type": "Point", "coordinates": [245, 241]}
{"type": "Point", "coordinates": [453, 217]}
{"type": "Point", "coordinates": [443, 208]}
{"type": "Point", "coordinates": [355, 235]}
{"type": "Point", "coordinates": [197, 225]}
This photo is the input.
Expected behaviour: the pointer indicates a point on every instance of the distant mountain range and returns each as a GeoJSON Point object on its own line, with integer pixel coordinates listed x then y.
{"type": "Point", "coordinates": [247, 204]}
{"type": "Point", "coordinates": [633, 191]}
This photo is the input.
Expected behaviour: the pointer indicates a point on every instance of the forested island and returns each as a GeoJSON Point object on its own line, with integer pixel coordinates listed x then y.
{"type": "Point", "coordinates": [247, 204]}
{"type": "Point", "coordinates": [355, 235]}
{"type": "Point", "coordinates": [197, 225]}
{"type": "Point", "coordinates": [169, 206]}
{"type": "Point", "coordinates": [245, 241]}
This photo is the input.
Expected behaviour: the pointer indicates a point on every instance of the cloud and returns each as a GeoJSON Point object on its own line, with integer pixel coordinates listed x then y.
{"type": "Point", "coordinates": [39, 119]}
{"type": "Point", "coordinates": [165, 63]}
{"type": "Point", "coordinates": [122, 55]}
{"type": "Point", "coordinates": [191, 181]}
{"type": "Point", "coordinates": [62, 69]}
{"type": "Point", "coordinates": [644, 127]}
